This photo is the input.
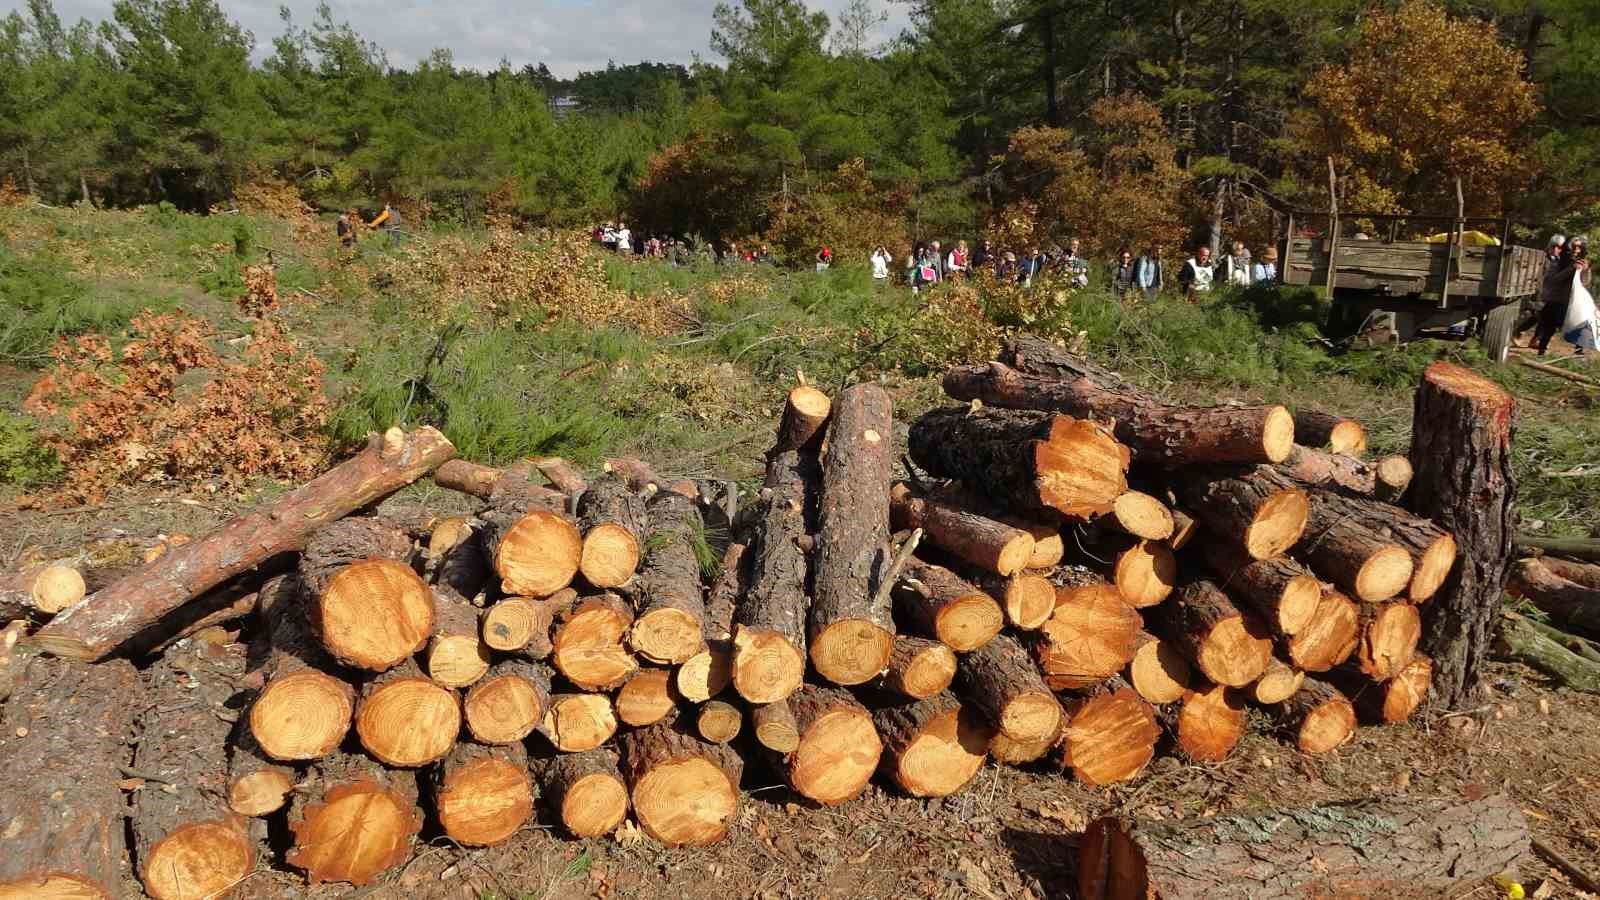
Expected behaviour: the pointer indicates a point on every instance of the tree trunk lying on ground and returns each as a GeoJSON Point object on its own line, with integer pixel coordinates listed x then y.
{"type": "Point", "coordinates": [508, 703]}
{"type": "Point", "coordinates": [1260, 508]}
{"type": "Point", "coordinates": [406, 719]}
{"type": "Point", "coordinates": [1002, 683]}
{"type": "Point", "coordinates": [935, 602]}
{"type": "Point", "coordinates": [1325, 431]}
{"type": "Point", "coordinates": [367, 604]}
{"type": "Point", "coordinates": [1317, 717]}
{"type": "Point", "coordinates": [918, 667]}
{"type": "Point", "coordinates": [838, 748]}
{"type": "Point", "coordinates": [1329, 638]}
{"type": "Point", "coordinates": [305, 707]}
{"type": "Point", "coordinates": [968, 536]}
{"type": "Point", "coordinates": [1225, 645]}
{"type": "Point", "coordinates": [1089, 637]}
{"type": "Point", "coordinates": [1567, 603]}
{"type": "Point", "coordinates": [933, 747]}
{"type": "Point", "coordinates": [352, 820]}
{"type": "Point", "coordinates": [613, 521]}
{"type": "Point", "coordinates": [483, 794]}
{"type": "Point", "coordinates": [670, 626]}
{"type": "Point", "coordinates": [589, 644]}
{"type": "Point", "coordinates": [1283, 593]}
{"type": "Point", "coordinates": [39, 592]}
{"type": "Point", "coordinates": [1383, 479]}
{"type": "Point", "coordinates": [1577, 548]}
{"type": "Point", "coordinates": [1110, 736]}
{"type": "Point", "coordinates": [1211, 721]}
{"type": "Point", "coordinates": [1388, 702]}
{"type": "Point", "coordinates": [685, 791]}
{"type": "Point", "coordinates": [769, 640]}
{"type": "Point", "coordinates": [1521, 641]}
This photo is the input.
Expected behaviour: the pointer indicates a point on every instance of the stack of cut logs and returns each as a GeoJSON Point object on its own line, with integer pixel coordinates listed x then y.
{"type": "Point", "coordinates": [1067, 570]}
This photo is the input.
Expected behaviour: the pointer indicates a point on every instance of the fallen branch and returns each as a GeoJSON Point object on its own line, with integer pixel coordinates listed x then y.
{"type": "Point", "coordinates": [1519, 641]}
{"type": "Point", "coordinates": [1559, 373]}
{"type": "Point", "coordinates": [1582, 879]}
{"type": "Point", "coordinates": [1577, 548]}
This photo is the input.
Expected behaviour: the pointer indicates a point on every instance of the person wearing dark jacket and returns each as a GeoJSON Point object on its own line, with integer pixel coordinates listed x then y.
{"type": "Point", "coordinates": [1557, 290]}
{"type": "Point", "coordinates": [1123, 277]}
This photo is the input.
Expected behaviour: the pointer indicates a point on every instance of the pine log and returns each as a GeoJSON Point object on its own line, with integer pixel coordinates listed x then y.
{"type": "Point", "coordinates": [1158, 670]}
{"type": "Point", "coordinates": [456, 560]}
{"type": "Point", "coordinates": [1432, 550]}
{"type": "Point", "coordinates": [1317, 717]}
{"type": "Point", "coordinates": [1383, 479]}
{"type": "Point", "coordinates": [506, 705]}
{"type": "Point", "coordinates": [257, 785]}
{"type": "Point", "coordinates": [1577, 548]}
{"type": "Point", "coordinates": [574, 723]}
{"type": "Point", "coordinates": [685, 791]}
{"type": "Point", "coordinates": [38, 592]}
{"type": "Point", "coordinates": [918, 667]}
{"type": "Point", "coordinates": [305, 708]}
{"type": "Point", "coordinates": [1389, 702]}
{"type": "Point", "coordinates": [1043, 527]}
{"type": "Point", "coordinates": [647, 698]}
{"type": "Point", "coordinates": [1364, 848]}
{"type": "Point", "coordinates": [1142, 516]}
{"type": "Point", "coordinates": [638, 474]}
{"type": "Point", "coordinates": [98, 624]}
{"type": "Point", "coordinates": [1327, 431]}
{"type": "Point", "coordinates": [589, 643]}
{"type": "Point", "coordinates": [483, 794]}
{"type": "Point", "coordinates": [1210, 722]}
{"type": "Point", "coordinates": [670, 626]}
{"type": "Point", "coordinates": [981, 541]}
{"type": "Point", "coordinates": [587, 791]}
{"type": "Point", "coordinates": [1329, 638]}
{"type": "Point", "coordinates": [850, 631]}
{"type": "Point", "coordinates": [934, 747]}
{"type": "Point", "coordinates": [1389, 636]}
{"type": "Point", "coordinates": [769, 639]}
{"type": "Point", "coordinates": [839, 746]}
{"type": "Point", "coordinates": [1520, 640]}
{"type": "Point", "coordinates": [935, 602]}
{"type": "Point", "coordinates": [1461, 449]}
{"type": "Point", "coordinates": [1034, 462]}
{"type": "Point", "coordinates": [1260, 508]}
{"type": "Point", "coordinates": [801, 428]}
{"type": "Point", "coordinates": [219, 608]}
{"type": "Point", "coordinates": [1145, 572]}
{"type": "Point", "coordinates": [353, 820]}
{"type": "Point", "coordinates": [456, 657]}
{"type": "Point", "coordinates": [522, 625]}
{"type": "Point", "coordinates": [1283, 593]}
{"type": "Point", "coordinates": [367, 604]}
{"type": "Point", "coordinates": [187, 842]}
{"type": "Point", "coordinates": [61, 744]}
{"type": "Point", "coordinates": [406, 719]}
{"type": "Point", "coordinates": [1586, 574]}
{"type": "Point", "coordinates": [1278, 683]}
{"type": "Point", "coordinates": [1572, 605]}
{"type": "Point", "coordinates": [1184, 529]}
{"type": "Point", "coordinates": [612, 519]}
{"type": "Point", "coordinates": [562, 475]}
{"type": "Point", "coordinates": [532, 545]}
{"type": "Point", "coordinates": [1008, 751]}
{"type": "Point", "coordinates": [1037, 376]}
{"type": "Point", "coordinates": [1091, 635]}
{"type": "Point", "coordinates": [1228, 647]}
{"type": "Point", "coordinates": [1000, 682]}
{"type": "Point", "coordinates": [1028, 598]}
{"type": "Point", "coordinates": [707, 673]}
{"type": "Point", "coordinates": [1361, 561]}
{"type": "Point", "coordinates": [775, 727]}
{"type": "Point", "coordinates": [718, 722]}
{"type": "Point", "coordinates": [1110, 736]}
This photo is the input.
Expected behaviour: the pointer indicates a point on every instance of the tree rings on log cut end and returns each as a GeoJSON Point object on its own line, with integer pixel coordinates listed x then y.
{"type": "Point", "coordinates": [409, 722]}
{"type": "Point", "coordinates": [1277, 525]}
{"type": "Point", "coordinates": [1389, 641]}
{"type": "Point", "coordinates": [51, 887]}
{"type": "Point", "coordinates": [260, 793]}
{"type": "Point", "coordinates": [588, 645]}
{"type": "Point", "coordinates": [1277, 434]}
{"type": "Point", "coordinates": [1029, 600]}
{"type": "Point", "coordinates": [1394, 473]}
{"type": "Point", "coordinates": [1235, 652]}
{"type": "Point", "coordinates": [375, 613]}
{"type": "Point", "coordinates": [301, 716]}
{"type": "Point", "coordinates": [1384, 574]}
{"type": "Point", "coordinates": [1089, 637]}
{"type": "Point", "coordinates": [719, 722]}
{"type": "Point", "coordinates": [1433, 568]}
{"type": "Point", "coordinates": [578, 722]}
{"type": "Point", "coordinates": [1111, 738]}
{"type": "Point", "coordinates": [766, 666]}
{"type": "Point", "coordinates": [1030, 717]}
{"type": "Point", "coordinates": [1406, 691]}
{"type": "Point", "coordinates": [1348, 438]}
{"type": "Point", "coordinates": [1297, 603]}
{"type": "Point", "coordinates": [203, 859]}
{"type": "Point", "coordinates": [485, 801]}
{"type": "Point", "coordinates": [705, 674]}
{"type": "Point", "coordinates": [1145, 573]}
{"type": "Point", "coordinates": [509, 624]}
{"type": "Point", "coordinates": [1143, 516]}
{"type": "Point", "coordinates": [922, 668]}
{"type": "Point", "coordinates": [1330, 637]}
{"type": "Point", "coordinates": [667, 635]}
{"type": "Point", "coordinates": [687, 802]}
{"type": "Point", "coordinates": [1277, 684]}
{"type": "Point", "coordinates": [851, 651]}
{"type": "Point", "coordinates": [1210, 723]}
{"type": "Point", "coordinates": [357, 832]}
{"type": "Point", "coordinates": [610, 555]}
{"type": "Point", "coordinates": [836, 757]}
{"type": "Point", "coordinates": [945, 755]}
{"type": "Point", "coordinates": [646, 698]}
{"type": "Point", "coordinates": [1081, 471]}
{"type": "Point", "coordinates": [55, 588]}
{"type": "Point", "coordinates": [503, 709]}
{"type": "Point", "coordinates": [1159, 672]}
{"type": "Point", "coordinates": [457, 660]}
{"type": "Point", "coordinates": [539, 555]}
{"type": "Point", "coordinates": [1327, 726]}
{"type": "Point", "coordinates": [968, 622]}
{"type": "Point", "coordinates": [594, 805]}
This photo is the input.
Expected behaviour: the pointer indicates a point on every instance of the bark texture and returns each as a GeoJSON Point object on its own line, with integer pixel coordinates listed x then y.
{"type": "Point", "coordinates": [670, 626]}
{"type": "Point", "coordinates": [769, 642]}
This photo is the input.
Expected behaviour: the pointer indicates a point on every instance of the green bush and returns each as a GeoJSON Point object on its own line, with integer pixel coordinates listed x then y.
{"type": "Point", "coordinates": [23, 460]}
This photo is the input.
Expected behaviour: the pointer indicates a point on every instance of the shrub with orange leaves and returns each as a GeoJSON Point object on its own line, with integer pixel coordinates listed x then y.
{"type": "Point", "coordinates": [260, 295]}
{"type": "Point", "coordinates": [10, 196]}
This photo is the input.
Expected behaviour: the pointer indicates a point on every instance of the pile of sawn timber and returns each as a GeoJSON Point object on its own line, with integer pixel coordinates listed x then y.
{"type": "Point", "coordinates": [1040, 587]}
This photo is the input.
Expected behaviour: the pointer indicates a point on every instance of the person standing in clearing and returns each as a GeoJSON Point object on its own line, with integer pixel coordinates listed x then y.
{"type": "Point", "coordinates": [1123, 277]}
{"type": "Point", "coordinates": [956, 263]}
{"type": "Point", "coordinates": [983, 256]}
{"type": "Point", "coordinates": [1266, 271]}
{"type": "Point", "coordinates": [1147, 272]}
{"type": "Point", "coordinates": [624, 238]}
{"type": "Point", "coordinates": [1197, 274]}
{"type": "Point", "coordinates": [389, 219]}
{"type": "Point", "coordinates": [1077, 267]}
{"type": "Point", "coordinates": [1557, 288]}
{"type": "Point", "coordinates": [880, 266]}
{"type": "Point", "coordinates": [346, 230]}
{"type": "Point", "coordinates": [1235, 267]}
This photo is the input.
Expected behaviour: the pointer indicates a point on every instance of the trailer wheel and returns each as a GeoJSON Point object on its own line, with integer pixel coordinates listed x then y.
{"type": "Point", "coordinates": [1498, 327]}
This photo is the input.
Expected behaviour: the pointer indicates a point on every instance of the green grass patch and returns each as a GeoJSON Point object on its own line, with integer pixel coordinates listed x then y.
{"type": "Point", "coordinates": [42, 300]}
{"type": "Point", "coordinates": [24, 461]}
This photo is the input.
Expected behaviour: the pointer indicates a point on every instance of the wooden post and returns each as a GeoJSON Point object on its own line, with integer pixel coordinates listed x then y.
{"type": "Point", "coordinates": [1452, 259]}
{"type": "Point", "coordinates": [1333, 227]}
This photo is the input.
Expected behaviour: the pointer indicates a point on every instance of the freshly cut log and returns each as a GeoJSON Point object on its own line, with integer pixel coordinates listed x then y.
{"type": "Point", "coordinates": [534, 547]}
{"type": "Point", "coordinates": [685, 791]}
{"type": "Point", "coordinates": [1027, 598]}
{"type": "Point", "coordinates": [639, 476]}
{"type": "Point", "coordinates": [456, 656]}
{"type": "Point", "coordinates": [1184, 529]}
{"type": "Point", "coordinates": [1111, 736]}
{"type": "Point", "coordinates": [999, 681]}
{"type": "Point", "coordinates": [456, 560]}
{"type": "Point", "coordinates": [483, 794]}
{"type": "Point", "coordinates": [1283, 593]}
{"type": "Point", "coordinates": [506, 705]}
{"type": "Point", "coordinates": [1228, 647]}
{"type": "Point", "coordinates": [801, 427]}
{"type": "Point", "coordinates": [578, 722]}
{"type": "Point", "coordinates": [1044, 527]}
{"type": "Point", "coordinates": [1383, 479]}
{"type": "Point", "coordinates": [1521, 639]}
{"type": "Point", "coordinates": [406, 719]}
{"type": "Point", "coordinates": [39, 592]}
{"type": "Point", "coordinates": [1261, 508]}
{"type": "Point", "coordinates": [1317, 717]}
{"type": "Point", "coordinates": [1156, 434]}
{"type": "Point", "coordinates": [257, 785]}
{"type": "Point", "coordinates": [670, 626]}
{"type": "Point", "coordinates": [367, 604]}
{"type": "Point", "coordinates": [935, 602]}
{"type": "Point", "coordinates": [1385, 703]}
{"type": "Point", "coordinates": [1090, 636]}
{"type": "Point", "coordinates": [587, 792]}
{"type": "Point", "coordinates": [304, 710]}
{"type": "Point", "coordinates": [1461, 449]}
{"type": "Point", "coordinates": [647, 697]}
{"type": "Point", "coordinates": [918, 667]}
{"type": "Point", "coordinates": [1389, 636]}
{"type": "Point", "coordinates": [61, 743]}
{"type": "Point", "coordinates": [1007, 751]}
{"type": "Point", "coordinates": [1278, 683]}
{"type": "Point", "coordinates": [707, 673]}
{"type": "Point", "coordinates": [562, 475]}
{"type": "Point", "coordinates": [96, 625]}
{"type": "Point", "coordinates": [1327, 431]}
{"type": "Point", "coordinates": [932, 748]}
{"type": "Point", "coordinates": [1361, 561]}
{"type": "Point", "coordinates": [1432, 550]}
{"type": "Point", "coordinates": [1035, 462]}
{"type": "Point", "coordinates": [1586, 574]}
{"type": "Point", "coordinates": [522, 625]}
{"type": "Point", "coordinates": [353, 820]}
{"type": "Point", "coordinates": [850, 630]}
{"type": "Point", "coordinates": [968, 536]}
{"type": "Point", "coordinates": [1366, 848]}
{"type": "Point", "coordinates": [1329, 638]}
{"type": "Point", "coordinates": [775, 727]}
{"type": "Point", "coordinates": [1145, 572]}
{"type": "Point", "coordinates": [1142, 516]}
{"type": "Point", "coordinates": [1210, 723]}
{"type": "Point", "coordinates": [1568, 603]}
{"type": "Point", "coordinates": [839, 746]}
{"type": "Point", "coordinates": [1158, 670]}
{"type": "Point", "coordinates": [769, 635]}
{"type": "Point", "coordinates": [719, 722]}
{"type": "Point", "coordinates": [612, 519]}
{"type": "Point", "coordinates": [588, 647]}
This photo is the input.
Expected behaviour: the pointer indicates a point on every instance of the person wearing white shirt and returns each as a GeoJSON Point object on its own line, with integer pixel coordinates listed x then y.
{"type": "Point", "coordinates": [880, 265]}
{"type": "Point", "coordinates": [624, 239]}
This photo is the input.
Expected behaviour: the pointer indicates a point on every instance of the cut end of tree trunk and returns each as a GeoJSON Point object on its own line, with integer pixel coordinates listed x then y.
{"type": "Point", "coordinates": [1145, 573]}
{"type": "Point", "coordinates": [202, 859]}
{"type": "Point", "coordinates": [55, 588]}
{"type": "Point", "coordinates": [1405, 692]}
{"type": "Point", "coordinates": [1389, 640]}
{"type": "Point", "coordinates": [1090, 637]}
{"type": "Point", "coordinates": [1384, 574]}
{"type": "Point", "coordinates": [1394, 475]}
{"type": "Point", "coordinates": [775, 727]}
{"type": "Point", "coordinates": [409, 722]}
{"type": "Point", "coordinates": [1330, 637]}
{"type": "Point", "coordinates": [1029, 601]}
{"type": "Point", "coordinates": [503, 709]}
{"type": "Point", "coordinates": [1158, 671]}
{"type": "Point", "coordinates": [1277, 525]}
{"type": "Point", "coordinates": [539, 555]}
{"type": "Point", "coordinates": [705, 674]}
{"type": "Point", "coordinates": [52, 887]}
{"type": "Point", "coordinates": [839, 748]}
{"type": "Point", "coordinates": [594, 805]}
{"type": "Point", "coordinates": [610, 555]}
{"type": "Point", "coordinates": [375, 613]}
{"type": "Point", "coordinates": [515, 624]}
{"type": "Point", "coordinates": [1210, 723]}
{"type": "Point", "coordinates": [851, 651]}
{"type": "Point", "coordinates": [1143, 516]}
{"type": "Point", "coordinates": [302, 715]}
{"type": "Point", "coordinates": [589, 647]}
{"type": "Point", "coordinates": [766, 666]}
{"type": "Point", "coordinates": [1277, 684]}
{"type": "Point", "coordinates": [667, 635]}
{"type": "Point", "coordinates": [920, 668]}
{"type": "Point", "coordinates": [934, 753]}
{"type": "Point", "coordinates": [260, 793]}
{"type": "Point", "coordinates": [803, 417]}
{"type": "Point", "coordinates": [1235, 652]}
{"type": "Point", "coordinates": [646, 698]}
{"type": "Point", "coordinates": [719, 722]}
{"type": "Point", "coordinates": [485, 801]}
{"type": "Point", "coordinates": [1432, 568]}
{"type": "Point", "coordinates": [969, 621]}
{"type": "Point", "coordinates": [1320, 718]}
{"type": "Point", "coordinates": [578, 722]}
{"type": "Point", "coordinates": [1082, 470]}
{"type": "Point", "coordinates": [685, 792]}
{"type": "Point", "coordinates": [356, 833]}
{"type": "Point", "coordinates": [457, 660]}
{"type": "Point", "coordinates": [1277, 434]}
{"type": "Point", "coordinates": [1111, 738]}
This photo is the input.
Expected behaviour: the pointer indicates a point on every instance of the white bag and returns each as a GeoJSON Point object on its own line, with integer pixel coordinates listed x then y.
{"type": "Point", "coordinates": [1579, 327]}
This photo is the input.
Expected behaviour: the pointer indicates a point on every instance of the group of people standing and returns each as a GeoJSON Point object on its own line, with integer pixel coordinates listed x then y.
{"type": "Point", "coordinates": [346, 226]}
{"type": "Point", "coordinates": [1566, 272]}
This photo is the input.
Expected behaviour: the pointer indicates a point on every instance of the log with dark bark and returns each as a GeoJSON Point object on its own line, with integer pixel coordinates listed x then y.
{"type": "Point", "coordinates": [1210, 722]}
{"type": "Point", "coordinates": [574, 723]}
{"type": "Point", "coordinates": [647, 698]}
{"type": "Point", "coordinates": [775, 727]}
{"type": "Point", "coordinates": [506, 705]}
{"type": "Point", "coordinates": [352, 820]}
{"type": "Point", "coordinates": [935, 602]}
{"type": "Point", "coordinates": [1326, 431]}
{"type": "Point", "coordinates": [932, 748]}
{"type": "Point", "coordinates": [707, 673]}
{"type": "Point", "coordinates": [1110, 736]}
{"type": "Point", "coordinates": [1388, 702]}
{"type": "Point", "coordinates": [1389, 636]}
{"type": "Point", "coordinates": [718, 722]}
{"type": "Point", "coordinates": [187, 842]}
{"type": "Point", "coordinates": [1158, 670]}
{"type": "Point", "coordinates": [1343, 549]}
{"type": "Point", "coordinates": [38, 592]}
{"type": "Point", "coordinates": [1282, 593]}
{"type": "Point", "coordinates": [1461, 438]}
{"type": "Point", "coordinates": [1184, 529]}
{"type": "Point", "coordinates": [1027, 598]}
{"type": "Point", "coordinates": [219, 608]}
{"type": "Point", "coordinates": [1260, 508]}
{"type": "Point", "coordinates": [1229, 647]}
{"type": "Point", "coordinates": [456, 559]}
{"type": "Point", "coordinates": [586, 790]}
{"type": "Point", "coordinates": [533, 546]}
{"type": "Point", "coordinates": [1586, 574]}
{"type": "Point", "coordinates": [1278, 683]}
{"type": "Point", "coordinates": [1090, 636]}
{"type": "Point", "coordinates": [918, 667]}
{"type": "Point", "coordinates": [1317, 717]}
{"type": "Point", "coordinates": [769, 635]}
{"type": "Point", "coordinates": [1568, 603]}
{"type": "Point", "coordinates": [1034, 462]}
{"type": "Point", "coordinates": [1410, 847]}
{"type": "Point", "coordinates": [838, 748]}
{"type": "Point", "coordinates": [612, 519]}
{"type": "Point", "coordinates": [850, 630]}
{"type": "Point", "coordinates": [61, 744]}
{"type": "Point", "coordinates": [637, 473]}
{"type": "Point", "coordinates": [368, 605]}
{"type": "Point", "coordinates": [562, 475]}
{"type": "Point", "coordinates": [1383, 479]}
{"type": "Point", "coordinates": [1001, 682]}
{"type": "Point", "coordinates": [589, 646]}
{"type": "Point", "coordinates": [456, 656]}
{"type": "Point", "coordinates": [304, 710]}
{"type": "Point", "coordinates": [97, 625]}
{"type": "Point", "coordinates": [975, 539]}
{"type": "Point", "coordinates": [805, 412]}
{"type": "Point", "coordinates": [1008, 751]}
{"type": "Point", "coordinates": [1432, 549]}
{"type": "Point", "coordinates": [670, 626]}
{"type": "Point", "coordinates": [483, 794]}
{"type": "Point", "coordinates": [1044, 528]}
{"type": "Point", "coordinates": [406, 719]}
{"type": "Point", "coordinates": [685, 791]}
{"type": "Point", "coordinates": [1577, 548]}
{"type": "Point", "coordinates": [523, 625]}
{"type": "Point", "coordinates": [1329, 638]}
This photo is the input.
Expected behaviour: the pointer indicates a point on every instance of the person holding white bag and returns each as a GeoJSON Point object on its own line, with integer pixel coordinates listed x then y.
{"type": "Point", "coordinates": [1566, 285]}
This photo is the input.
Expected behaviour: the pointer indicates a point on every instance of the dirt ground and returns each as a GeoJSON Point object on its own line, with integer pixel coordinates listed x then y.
{"type": "Point", "coordinates": [1012, 833]}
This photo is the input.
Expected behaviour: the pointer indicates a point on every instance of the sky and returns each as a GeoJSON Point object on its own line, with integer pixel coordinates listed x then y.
{"type": "Point", "coordinates": [567, 35]}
